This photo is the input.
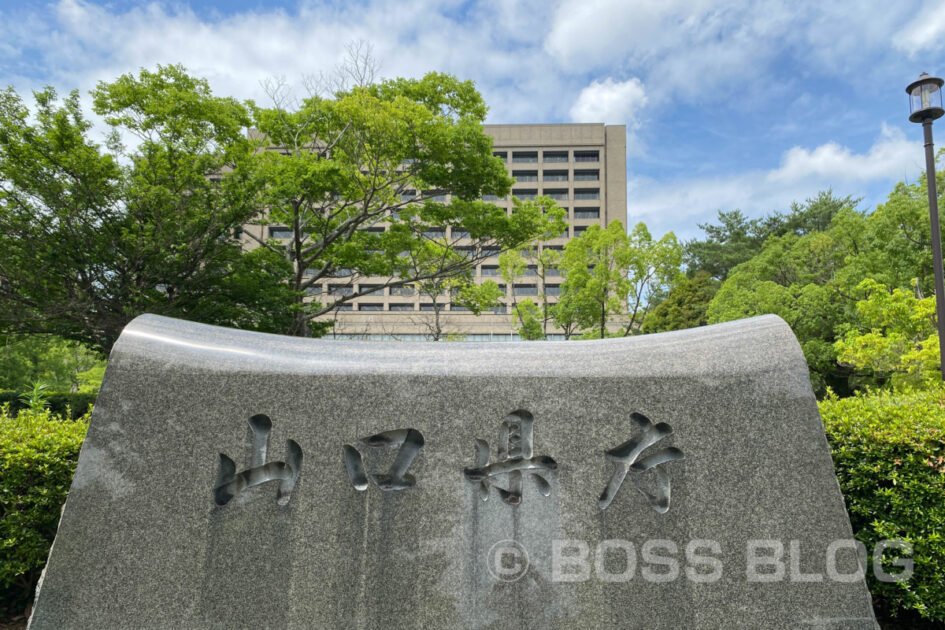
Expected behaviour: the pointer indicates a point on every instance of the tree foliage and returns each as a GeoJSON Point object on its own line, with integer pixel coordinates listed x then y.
{"type": "Point", "coordinates": [596, 284]}
{"type": "Point", "coordinates": [736, 239]}
{"type": "Point", "coordinates": [91, 237]}
{"type": "Point", "coordinates": [366, 178]}
{"type": "Point", "coordinates": [893, 337]}
{"type": "Point", "coordinates": [834, 284]}
{"type": "Point", "coordinates": [685, 306]}
{"type": "Point", "coordinates": [63, 365]}
{"type": "Point", "coordinates": [613, 278]}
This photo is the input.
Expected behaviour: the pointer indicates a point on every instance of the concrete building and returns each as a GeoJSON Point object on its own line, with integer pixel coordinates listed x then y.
{"type": "Point", "coordinates": [582, 166]}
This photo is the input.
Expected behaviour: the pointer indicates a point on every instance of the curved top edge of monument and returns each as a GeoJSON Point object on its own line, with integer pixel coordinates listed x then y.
{"type": "Point", "coordinates": [759, 343]}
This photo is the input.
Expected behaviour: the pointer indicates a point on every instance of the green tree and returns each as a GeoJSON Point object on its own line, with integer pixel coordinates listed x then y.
{"type": "Point", "coordinates": [460, 289]}
{"type": "Point", "coordinates": [91, 237]}
{"type": "Point", "coordinates": [894, 337]}
{"type": "Point", "coordinates": [364, 178]}
{"type": "Point", "coordinates": [737, 239]}
{"type": "Point", "coordinates": [734, 240]}
{"type": "Point", "coordinates": [596, 284]}
{"type": "Point", "coordinates": [60, 363]}
{"type": "Point", "coordinates": [806, 280]}
{"type": "Point", "coordinates": [685, 306]}
{"type": "Point", "coordinates": [653, 266]}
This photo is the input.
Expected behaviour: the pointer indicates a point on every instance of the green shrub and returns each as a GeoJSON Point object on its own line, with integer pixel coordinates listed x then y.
{"type": "Point", "coordinates": [38, 454]}
{"type": "Point", "coordinates": [77, 404]}
{"type": "Point", "coordinates": [889, 452]}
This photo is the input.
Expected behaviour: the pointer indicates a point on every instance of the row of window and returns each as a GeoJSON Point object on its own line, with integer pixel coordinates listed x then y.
{"type": "Point", "coordinates": [278, 232]}
{"type": "Point", "coordinates": [585, 175]}
{"type": "Point", "coordinates": [549, 156]}
{"type": "Point", "coordinates": [423, 306]}
{"type": "Point", "coordinates": [559, 194]}
{"type": "Point", "coordinates": [347, 289]}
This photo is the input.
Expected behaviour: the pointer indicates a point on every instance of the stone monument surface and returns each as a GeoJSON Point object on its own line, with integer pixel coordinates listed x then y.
{"type": "Point", "coordinates": [239, 480]}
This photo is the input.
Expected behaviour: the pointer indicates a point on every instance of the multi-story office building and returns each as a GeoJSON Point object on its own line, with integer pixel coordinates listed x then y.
{"type": "Point", "coordinates": [582, 166]}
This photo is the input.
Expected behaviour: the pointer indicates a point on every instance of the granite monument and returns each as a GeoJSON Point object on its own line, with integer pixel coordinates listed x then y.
{"type": "Point", "coordinates": [240, 480]}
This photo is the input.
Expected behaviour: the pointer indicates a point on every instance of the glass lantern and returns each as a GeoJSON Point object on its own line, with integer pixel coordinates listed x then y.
{"type": "Point", "coordinates": [925, 98]}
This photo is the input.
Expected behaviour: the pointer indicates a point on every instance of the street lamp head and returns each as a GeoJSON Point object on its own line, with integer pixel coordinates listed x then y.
{"type": "Point", "coordinates": [925, 98]}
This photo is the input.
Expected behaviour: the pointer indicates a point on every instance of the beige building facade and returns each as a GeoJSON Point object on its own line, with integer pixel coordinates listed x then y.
{"type": "Point", "coordinates": [582, 166]}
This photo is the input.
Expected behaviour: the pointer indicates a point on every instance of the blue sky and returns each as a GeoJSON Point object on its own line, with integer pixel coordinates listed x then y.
{"type": "Point", "coordinates": [747, 104]}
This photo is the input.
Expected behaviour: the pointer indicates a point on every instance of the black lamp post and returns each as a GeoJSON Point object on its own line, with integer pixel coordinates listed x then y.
{"type": "Point", "coordinates": [925, 105]}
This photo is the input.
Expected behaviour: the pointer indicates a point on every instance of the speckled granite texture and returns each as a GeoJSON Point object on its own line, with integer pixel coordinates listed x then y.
{"type": "Point", "coordinates": [158, 531]}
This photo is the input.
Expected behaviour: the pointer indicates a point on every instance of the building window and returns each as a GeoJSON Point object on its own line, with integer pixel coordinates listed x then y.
{"type": "Point", "coordinates": [590, 175]}
{"type": "Point", "coordinates": [504, 155]}
{"type": "Point", "coordinates": [342, 272]}
{"type": "Point", "coordinates": [525, 193]}
{"type": "Point", "coordinates": [580, 229]}
{"type": "Point", "coordinates": [491, 251]}
{"type": "Point", "coordinates": [371, 288]}
{"type": "Point", "coordinates": [525, 289]}
{"type": "Point", "coordinates": [401, 307]}
{"type": "Point", "coordinates": [587, 213]}
{"type": "Point", "coordinates": [557, 248]}
{"type": "Point", "coordinates": [491, 198]}
{"type": "Point", "coordinates": [587, 193]}
{"type": "Point", "coordinates": [370, 307]}
{"type": "Point", "coordinates": [377, 229]}
{"type": "Point", "coordinates": [459, 233]}
{"type": "Point", "coordinates": [559, 194]}
{"type": "Point", "coordinates": [340, 289]}
{"type": "Point", "coordinates": [525, 176]}
{"type": "Point", "coordinates": [435, 195]}
{"type": "Point", "coordinates": [531, 270]}
{"type": "Point", "coordinates": [406, 290]}
{"type": "Point", "coordinates": [552, 271]}
{"type": "Point", "coordinates": [435, 233]}
{"type": "Point", "coordinates": [587, 156]}
{"type": "Point", "coordinates": [344, 307]}
{"type": "Point", "coordinates": [408, 195]}
{"type": "Point", "coordinates": [426, 306]}
{"type": "Point", "coordinates": [499, 309]}
{"type": "Point", "coordinates": [555, 156]}
{"type": "Point", "coordinates": [315, 289]}
{"type": "Point", "coordinates": [280, 232]}
{"type": "Point", "coordinates": [490, 270]}
{"type": "Point", "coordinates": [458, 307]}
{"type": "Point", "coordinates": [552, 289]}
{"type": "Point", "coordinates": [554, 176]}
{"type": "Point", "coordinates": [524, 156]}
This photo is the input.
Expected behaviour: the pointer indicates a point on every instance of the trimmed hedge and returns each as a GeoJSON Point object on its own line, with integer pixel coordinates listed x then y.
{"type": "Point", "coordinates": [57, 402]}
{"type": "Point", "coordinates": [889, 452]}
{"type": "Point", "coordinates": [38, 455]}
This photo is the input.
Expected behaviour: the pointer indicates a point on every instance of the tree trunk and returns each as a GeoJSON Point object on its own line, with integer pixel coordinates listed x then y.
{"type": "Point", "coordinates": [300, 327]}
{"type": "Point", "coordinates": [603, 320]}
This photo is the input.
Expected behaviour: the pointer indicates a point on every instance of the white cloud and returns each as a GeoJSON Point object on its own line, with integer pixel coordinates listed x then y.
{"type": "Point", "coordinates": [77, 44]}
{"type": "Point", "coordinates": [609, 101]}
{"type": "Point", "coordinates": [680, 204]}
{"type": "Point", "coordinates": [703, 50]}
{"type": "Point", "coordinates": [682, 46]}
{"type": "Point", "coordinates": [925, 31]}
{"type": "Point", "coordinates": [613, 102]}
{"type": "Point", "coordinates": [889, 157]}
